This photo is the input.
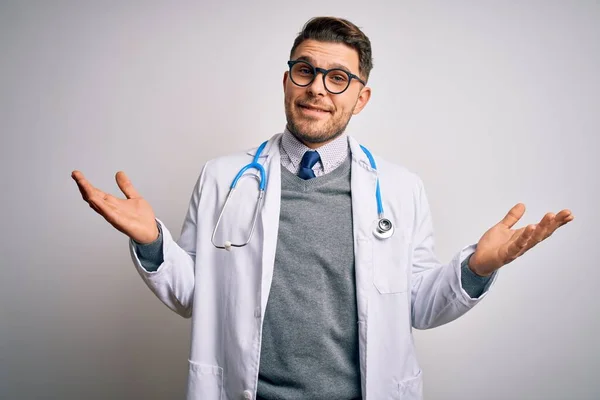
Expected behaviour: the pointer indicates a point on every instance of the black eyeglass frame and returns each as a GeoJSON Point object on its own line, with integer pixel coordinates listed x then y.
{"type": "Point", "coordinates": [323, 71]}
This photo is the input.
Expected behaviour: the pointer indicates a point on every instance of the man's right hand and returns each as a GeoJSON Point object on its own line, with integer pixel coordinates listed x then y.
{"type": "Point", "coordinates": [133, 216]}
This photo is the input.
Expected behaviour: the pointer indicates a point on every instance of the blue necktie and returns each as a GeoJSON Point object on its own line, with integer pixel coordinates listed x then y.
{"type": "Point", "coordinates": [309, 159]}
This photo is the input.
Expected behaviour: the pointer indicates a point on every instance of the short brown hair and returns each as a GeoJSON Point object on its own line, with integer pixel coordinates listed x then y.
{"type": "Point", "coordinates": [338, 30]}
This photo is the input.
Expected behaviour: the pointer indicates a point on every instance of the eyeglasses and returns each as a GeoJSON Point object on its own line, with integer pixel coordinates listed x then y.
{"type": "Point", "coordinates": [335, 80]}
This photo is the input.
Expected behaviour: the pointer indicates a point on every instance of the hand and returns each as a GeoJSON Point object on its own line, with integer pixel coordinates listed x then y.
{"type": "Point", "coordinates": [501, 245]}
{"type": "Point", "coordinates": [133, 216]}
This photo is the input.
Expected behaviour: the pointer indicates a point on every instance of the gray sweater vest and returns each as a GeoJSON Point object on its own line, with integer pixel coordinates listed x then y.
{"type": "Point", "coordinates": [310, 334]}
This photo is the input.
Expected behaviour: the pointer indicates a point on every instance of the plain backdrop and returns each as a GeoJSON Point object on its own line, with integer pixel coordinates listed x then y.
{"type": "Point", "coordinates": [490, 102]}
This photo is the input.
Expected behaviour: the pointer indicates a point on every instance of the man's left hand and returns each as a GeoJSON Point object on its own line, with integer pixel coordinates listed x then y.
{"type": "Point", "coordinates": [501, 244]}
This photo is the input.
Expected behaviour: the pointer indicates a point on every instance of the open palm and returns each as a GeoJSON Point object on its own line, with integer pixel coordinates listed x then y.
{"type": "Point", "coordinates": [501, 244]}
{"type": "Point", "coordinates": [133, 215]}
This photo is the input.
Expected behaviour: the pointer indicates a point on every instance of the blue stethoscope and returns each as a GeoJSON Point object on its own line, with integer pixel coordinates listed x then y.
{"type": "Point", "coordinates": [383, 229]}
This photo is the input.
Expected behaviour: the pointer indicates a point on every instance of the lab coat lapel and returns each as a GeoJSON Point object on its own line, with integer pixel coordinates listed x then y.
{"type": "Point", "coordinates": [364, 214]}
{"type": "Point", "coordinates": [363, 183]}
{"type": "Point", "coordinates": [271, 160]}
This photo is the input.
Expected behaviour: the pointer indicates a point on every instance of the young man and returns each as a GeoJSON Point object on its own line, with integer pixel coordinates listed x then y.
{"type": "Point", "coordinates": [321, 301]}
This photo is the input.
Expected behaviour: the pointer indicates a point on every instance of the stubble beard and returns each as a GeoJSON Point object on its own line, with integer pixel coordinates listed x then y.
{"type": "Point", "coordinates": [307, 131]}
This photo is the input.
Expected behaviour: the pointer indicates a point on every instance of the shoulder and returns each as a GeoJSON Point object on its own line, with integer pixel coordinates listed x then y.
{"type": "Point", "coordinates": [390, 173]}
{"type": "Point", "coordinates": [397, 171]}
{"type": "Point", "coordinates": [227, 166]}
{"type": "Point", "coordinates": [399, 180]}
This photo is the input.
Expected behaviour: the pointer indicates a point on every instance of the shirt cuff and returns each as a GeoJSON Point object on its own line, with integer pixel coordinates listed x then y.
{"type": "Point", "coordinates": [472, 283]}
{"type": "Point", "coordinates": [151, 254]}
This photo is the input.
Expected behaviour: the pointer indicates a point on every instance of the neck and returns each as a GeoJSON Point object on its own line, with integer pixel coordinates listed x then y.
{"type": "Point", "coordinates": [314, 145]}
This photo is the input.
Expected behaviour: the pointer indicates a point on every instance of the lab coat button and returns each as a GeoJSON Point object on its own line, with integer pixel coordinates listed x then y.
{"type": "Point", "coordinates": [247, 395]}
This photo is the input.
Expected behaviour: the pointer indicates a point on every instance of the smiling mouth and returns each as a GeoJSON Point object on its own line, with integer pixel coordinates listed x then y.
{"type": "Point", "coordinates": [315, 109]}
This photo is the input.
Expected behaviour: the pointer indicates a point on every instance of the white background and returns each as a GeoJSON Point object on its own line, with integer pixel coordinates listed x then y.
{"type": "Point", "coordinates": [491, 103]}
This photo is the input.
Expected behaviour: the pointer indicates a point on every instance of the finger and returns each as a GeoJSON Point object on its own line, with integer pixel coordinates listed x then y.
{"type": "Point", "coordinates": [545, 227]}
{"type": "Point", "coordinates": [103, 207]}
{"type": "Point", "coordinates": [539, 234]}
{"type": "Point", "coordinates": [560, 222]}
{"type": "Point", "coordinates": [112, 200]}
{"type": "Point", "coordinates": [513, 238]}
{"type": "Point", "coordinates": [513, 215]}
{"type": "Point", "coordinates": [563, 217]}
{"type": "Point", "coordinates": [82, 184]}
{"type": "Point", "coordinates": [516, 246]}
{"type": "Point", "coordinates": [543, 230]}
{"type": "Point", "coordinates": [126, 186]}
{"type": "Point", "coordinates": [515, 235]}
{"type": "Point", "coordinates": [563, 214]}
{"type": "Point", "coordinates": [85, 187]}
{"type": "Point", "coordinates": [567, 220]}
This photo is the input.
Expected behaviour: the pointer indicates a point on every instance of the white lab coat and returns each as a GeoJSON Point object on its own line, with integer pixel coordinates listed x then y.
{"type": "Point", "coordinates": [399, 282]}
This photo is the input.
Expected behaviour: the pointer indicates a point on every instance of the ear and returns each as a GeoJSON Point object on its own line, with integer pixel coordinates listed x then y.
{"type": "Point", "coordinates": [285, 78]}
{"type": "Point", "coordinates": [363, 99]}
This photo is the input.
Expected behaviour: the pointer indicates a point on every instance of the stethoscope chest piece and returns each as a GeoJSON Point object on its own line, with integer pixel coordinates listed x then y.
{"type": "Point", "coordinates": [383, 228]}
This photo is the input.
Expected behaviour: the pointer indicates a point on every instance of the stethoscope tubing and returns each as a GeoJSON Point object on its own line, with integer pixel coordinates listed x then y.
{"type": "Point", "coordinates": [377, 189]}
{"type": "Point", "coordinates": [383, 229]}
{"type": "Point", "coordinates": [254, 164]}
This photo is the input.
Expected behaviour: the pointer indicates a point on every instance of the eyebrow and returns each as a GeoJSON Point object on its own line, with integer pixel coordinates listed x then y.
{"type": "Point", "coordinates": [331, 66]}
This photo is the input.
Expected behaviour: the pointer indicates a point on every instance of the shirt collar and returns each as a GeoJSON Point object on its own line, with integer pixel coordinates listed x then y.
{"type": "Point", "coordinates": [332, 154]}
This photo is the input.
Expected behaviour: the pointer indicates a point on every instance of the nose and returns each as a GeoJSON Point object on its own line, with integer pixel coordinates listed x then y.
{"type": "Point", "coordinates": [317, 87]}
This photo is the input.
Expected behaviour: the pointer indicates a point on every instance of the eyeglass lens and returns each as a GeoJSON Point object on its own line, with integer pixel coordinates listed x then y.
{"type": "Point", "coordinates": [336, 80]}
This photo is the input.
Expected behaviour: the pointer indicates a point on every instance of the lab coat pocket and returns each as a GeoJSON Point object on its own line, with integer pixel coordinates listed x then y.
{"type": "Point", "coordinates": [204, 382]}
{"type": "Point", "coordinates": [391, 263]}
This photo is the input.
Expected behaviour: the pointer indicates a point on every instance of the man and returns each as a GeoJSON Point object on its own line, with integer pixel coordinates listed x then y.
{"type": "Point", "coordinates": [315, 306]}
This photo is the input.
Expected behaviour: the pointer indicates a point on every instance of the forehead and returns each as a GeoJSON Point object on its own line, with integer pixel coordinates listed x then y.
{"type": "Point", "coordinates": [327, 55]}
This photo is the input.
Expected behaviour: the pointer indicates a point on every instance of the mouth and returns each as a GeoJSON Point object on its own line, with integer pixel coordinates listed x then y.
{"type": "Point", "coordinates": [307, 108]}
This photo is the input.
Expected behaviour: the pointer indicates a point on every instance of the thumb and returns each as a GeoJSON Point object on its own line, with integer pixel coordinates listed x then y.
{"type": "Point", "coordinates": [126, 186]}
{"type": "Point", "coordinates": [513, 215]}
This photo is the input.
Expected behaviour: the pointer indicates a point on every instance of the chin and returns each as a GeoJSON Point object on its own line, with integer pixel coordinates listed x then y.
{"type": "Point", "coordinates": [310, 131]}
{"type": "Point", "coordinates": [314, 131]}
{"type": "Point", "coordinates": [314, 136]}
